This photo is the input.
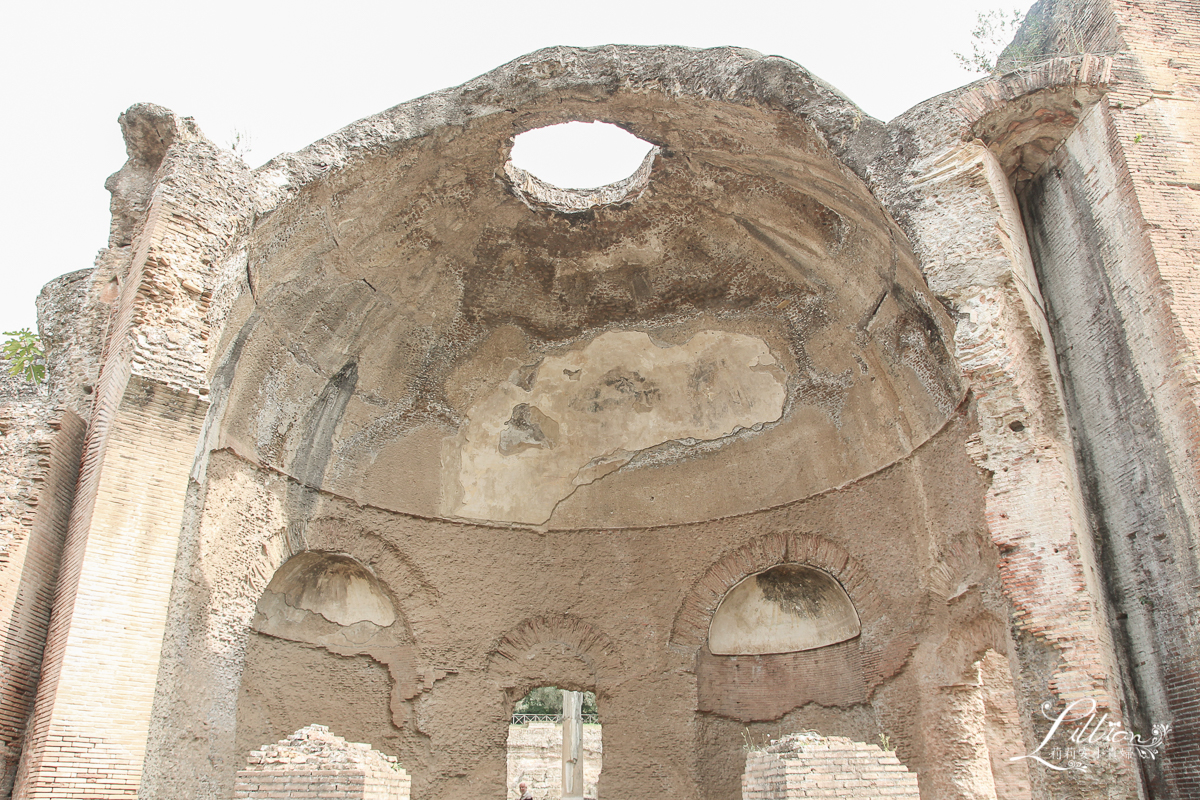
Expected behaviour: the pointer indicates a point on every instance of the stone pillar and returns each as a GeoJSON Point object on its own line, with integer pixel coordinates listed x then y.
{"type": "Point", "coordinates": [572, 751]}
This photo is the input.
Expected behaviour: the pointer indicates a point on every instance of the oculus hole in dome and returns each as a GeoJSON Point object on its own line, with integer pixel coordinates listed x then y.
{"type": "Point", "coordinates": [579, 155]}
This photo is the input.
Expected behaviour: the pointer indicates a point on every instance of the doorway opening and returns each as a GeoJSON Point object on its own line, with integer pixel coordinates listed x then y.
{"type": "Point", "coordinates": [554, 745]}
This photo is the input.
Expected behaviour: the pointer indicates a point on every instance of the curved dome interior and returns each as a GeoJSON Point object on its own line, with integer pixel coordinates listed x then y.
{"type": "Point", "coordinates": [425, 340]}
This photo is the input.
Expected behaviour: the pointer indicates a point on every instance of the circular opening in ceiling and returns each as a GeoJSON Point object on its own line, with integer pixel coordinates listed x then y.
{"type": "Point", "coordinates": [576, 165]}
{"type": "Point", "coordinates": [579, 155]}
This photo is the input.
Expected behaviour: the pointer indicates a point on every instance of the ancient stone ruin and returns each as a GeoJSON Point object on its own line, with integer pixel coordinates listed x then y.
{"type": "Point", "coordinates": [807, 765]}
{"type": "Point", "coordinates": [886, 432]}
{"type": "Point", "coordinates": [312, 762]}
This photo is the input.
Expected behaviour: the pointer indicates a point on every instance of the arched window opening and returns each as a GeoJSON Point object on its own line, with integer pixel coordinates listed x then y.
{"type": "Point", "coordinates": [554, 746]}
{"type": "Point", "coordinates": [784, 609]}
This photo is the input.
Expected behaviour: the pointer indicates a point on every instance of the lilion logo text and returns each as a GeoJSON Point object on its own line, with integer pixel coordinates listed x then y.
{"type": "Point", "coordinates": [1076, 734]}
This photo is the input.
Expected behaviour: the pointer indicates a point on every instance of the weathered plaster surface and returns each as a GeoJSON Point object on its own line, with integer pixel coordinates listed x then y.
{"type": "Point", "coordinates": [589, 412]}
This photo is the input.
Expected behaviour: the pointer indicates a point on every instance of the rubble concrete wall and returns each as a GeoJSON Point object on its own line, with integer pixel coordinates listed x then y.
{"type": "Point", "coordinates": [488, 613]}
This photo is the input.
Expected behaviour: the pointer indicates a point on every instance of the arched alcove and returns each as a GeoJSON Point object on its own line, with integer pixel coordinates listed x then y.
{"type": "Point", "coordinates": [333, 586]}
{"type": "Point", "coordinates": [785, 609]}
{"type": "Point", "coordinates": [320, 650]}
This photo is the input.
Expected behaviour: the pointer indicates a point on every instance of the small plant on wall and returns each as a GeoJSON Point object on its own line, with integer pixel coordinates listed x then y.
{"type": "Point", "coordinates": [993, 30]}
{"type": "Point", "coordinates": [26, 359]}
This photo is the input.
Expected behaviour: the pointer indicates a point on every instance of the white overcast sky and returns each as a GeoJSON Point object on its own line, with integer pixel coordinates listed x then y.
{"type": "Point", "coordinates": [290, 73]}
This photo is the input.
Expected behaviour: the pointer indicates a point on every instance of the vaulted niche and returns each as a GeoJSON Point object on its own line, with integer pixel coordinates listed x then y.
{"type": "Point", "coordinates": [332, 586]}
{"type": "Point", "coordinates": [784, 609]}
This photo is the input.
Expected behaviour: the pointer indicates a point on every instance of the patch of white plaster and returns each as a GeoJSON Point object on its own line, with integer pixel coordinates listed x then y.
{"type": "Point", "coordinates": [588, 412]}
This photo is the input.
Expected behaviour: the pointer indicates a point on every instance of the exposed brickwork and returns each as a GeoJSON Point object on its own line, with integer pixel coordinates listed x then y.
{"type": "Point", "coordinates": [766, 687]}
{"type": "Point", "coordinates": [810, 766]}
{"type": "Point", "coordinates": [39, 461]}
{"type": "Point", "coordinates": [1113, 219]}
{"type": "Point", "coordinates": [312, 763]}
{"type": "Point", "coordinates": [116, 577]}
{"type": "Point", "coordinates": [1050, 572]}
{"type": "Point", "coordinates": [118, 561]}
{"type": "Point", "coordinates": [572, 633]}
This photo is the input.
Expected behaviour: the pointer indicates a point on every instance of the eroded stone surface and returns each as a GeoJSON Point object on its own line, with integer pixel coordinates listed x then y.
{"type": "Point", "coordinates": [381, 310]}
{"type": "Point", "coordinates": [587, 412]}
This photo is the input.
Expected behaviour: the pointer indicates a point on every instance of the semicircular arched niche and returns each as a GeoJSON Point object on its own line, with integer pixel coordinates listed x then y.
{"type": "Point", "coordinates": [784, 609]}
{"type": "Point", "coordinates": [328, 599]}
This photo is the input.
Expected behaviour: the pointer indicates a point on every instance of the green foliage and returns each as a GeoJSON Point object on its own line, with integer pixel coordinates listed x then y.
{"type": "Point", "coordinates": [886, 742]}
{"type": "Point", "coordinates": [548, 700]}
{"type": "Point", "coordinates": [26, 359]}
{"type": "Point", "coordinates": [993, 31]}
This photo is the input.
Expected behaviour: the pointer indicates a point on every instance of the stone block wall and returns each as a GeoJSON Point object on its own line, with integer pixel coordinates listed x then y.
{"type": "Point", "coordinates": [807, 765]}
{"type": "Point", "coordinates": [312, 762]}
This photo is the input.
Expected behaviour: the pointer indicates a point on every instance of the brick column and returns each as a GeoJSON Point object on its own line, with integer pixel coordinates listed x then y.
{"type": "Point", "coordinates": [88, 734]}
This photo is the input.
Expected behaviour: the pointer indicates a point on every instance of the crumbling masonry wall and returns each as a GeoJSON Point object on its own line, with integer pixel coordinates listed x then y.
{"type": "Point", "coordinates": [812, 766]}
{"type": "Point", "coordinates": [312, 762]}
{"type": "Point", "coordinates": [383, 434]}
{"type": "Point", "coordinates": [1112, 218]}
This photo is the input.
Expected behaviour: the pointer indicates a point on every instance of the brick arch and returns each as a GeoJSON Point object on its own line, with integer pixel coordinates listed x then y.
{"type": "Point", "coordinates": [690, 629]}
{"type": "Point", "coordinates": [415, 599]}
{"type": "Point", "coordinates": [514, 659]}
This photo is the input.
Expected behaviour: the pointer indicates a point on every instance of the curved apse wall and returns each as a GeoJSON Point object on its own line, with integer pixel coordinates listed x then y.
{"type": "Point", "coordinates": [424, 340]}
